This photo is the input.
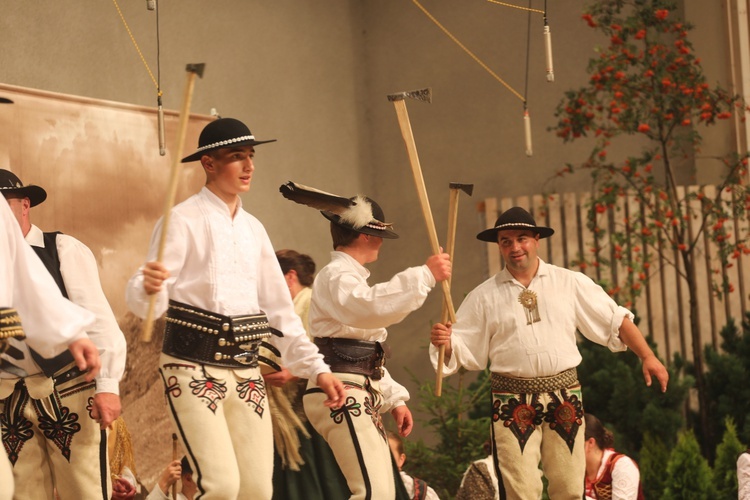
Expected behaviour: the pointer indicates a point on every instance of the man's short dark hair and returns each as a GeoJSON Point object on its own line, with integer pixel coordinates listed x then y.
{"type": "Point", "coordinates": [342, 237]}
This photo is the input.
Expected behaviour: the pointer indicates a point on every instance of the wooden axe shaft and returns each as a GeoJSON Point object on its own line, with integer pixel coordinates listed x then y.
{"type": "Point", "coordinates": [148, 323]}
{"type": "Point", "coordinates": [449, 248]}
{"type": "Point", "coordinates": [174, 457]}
{"type": "Point", "coordinates": [411, 148]}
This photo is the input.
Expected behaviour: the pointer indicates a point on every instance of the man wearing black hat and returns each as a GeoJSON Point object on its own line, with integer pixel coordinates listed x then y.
{"type": "Point", "coordinates": [53, 393]}
{"type": "Point", "coordinates": [33, 308]}
{"type": "Point", "coordinates": [222, 288]}
{"type": "Point", "coordinates": [523, 321]}
{"type": "Point", "coordinates": [348, 319]}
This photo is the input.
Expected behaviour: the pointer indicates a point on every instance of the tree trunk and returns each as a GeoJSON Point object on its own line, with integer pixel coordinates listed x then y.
{"type": "Point", "coordinates": [697, 344]}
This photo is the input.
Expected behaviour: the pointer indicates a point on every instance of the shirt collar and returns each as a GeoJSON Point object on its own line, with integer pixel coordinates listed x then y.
{"type": "Point", "coordinates": [542, 270]}
{"type": "Point", "coordinates": [217, 202]}
{"type": "Point", "coordinates": [362, 270]}
{"type": "Point", "coordinates": [35, 237]}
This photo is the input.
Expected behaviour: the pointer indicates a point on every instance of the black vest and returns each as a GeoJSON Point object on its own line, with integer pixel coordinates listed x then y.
{"type": "Point", "coordinates": [51, 261]}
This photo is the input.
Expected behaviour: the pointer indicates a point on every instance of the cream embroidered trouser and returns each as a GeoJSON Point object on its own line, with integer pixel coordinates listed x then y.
{"type": "Point", "coordinates": [356, 436]}
{"type": "Point", "coordinates": [533, 428]}
{"type": "Point", "coordinates": [6, 477]}
{"type": "Point", "coordinates": [51, 439]}
{"type": "Point", "coordinates": [222, 419]}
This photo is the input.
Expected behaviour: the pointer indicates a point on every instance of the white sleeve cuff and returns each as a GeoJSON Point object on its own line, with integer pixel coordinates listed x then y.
{"type": "Point", "coordinates": [449, 368]}
{"type": "Point", "coordinates": [615, 344]}
{"type": "Point", "coordinates": [429, 279]}
{"type": "Point", "coordinates": [110, 385]}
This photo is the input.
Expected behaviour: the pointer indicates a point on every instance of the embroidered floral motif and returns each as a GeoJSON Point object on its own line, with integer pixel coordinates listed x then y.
{"type": "Point", "coordinates": [15, 435]}
{"type": "Point", "coordinates": [253, 392]}
{"type": "Point", "coordinates": [210, 390]}
{"type": "Point", "coordinates": [173, 387]}
{"type": "Point", "coordinates": [374, 412]}
{"type": "Point", "coordinates": [565, 416]}
{"type": "Point", "coordinates": [521, 417]}
{"type": "Point", "coordinates": [90, 407]}
{"type": "Point", "coordinates": [60, 427]}
{"type": "Point", "coordinates": [350, 407]}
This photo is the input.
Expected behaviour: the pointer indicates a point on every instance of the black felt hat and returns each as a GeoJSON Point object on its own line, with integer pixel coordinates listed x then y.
{"type": "Point", "coordinates": [365, 216]}
{"type": "Point", "coordinates": [514, 218]}
{"type": "Point", "coordinates": [10, 184]}
{"type": "Point", "coordinates": [223, 133]}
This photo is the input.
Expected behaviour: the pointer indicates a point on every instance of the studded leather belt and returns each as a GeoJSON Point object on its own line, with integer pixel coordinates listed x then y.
{"type": "Point", "coordinates": [10, 326]}
{"type": "Point", "coordinates": [205, 337]}
{"type": "Point", "coordinates": [362, 357]}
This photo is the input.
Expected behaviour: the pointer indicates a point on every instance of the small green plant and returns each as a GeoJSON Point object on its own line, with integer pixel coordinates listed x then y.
{"type": "Point", "coordinates": [688, 473]}
{"type": "Point", "coordinates": [460, 430]}
{"type": "Point", "coordinates": [653, 465]}
{"type": "Point", "coordinates": [725, 466]}
{"type": "Point", "coordinates": [727, 380]}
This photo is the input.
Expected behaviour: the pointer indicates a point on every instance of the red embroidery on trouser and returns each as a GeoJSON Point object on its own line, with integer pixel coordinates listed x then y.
{"type": "Point", "coordinates": [229, 442]}
{"type": "Point", "coordinates": [519, 451]}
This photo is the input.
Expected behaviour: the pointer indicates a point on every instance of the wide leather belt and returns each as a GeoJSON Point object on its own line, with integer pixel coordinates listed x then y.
{"type": "Point", "coordinates": [354, 356]}
{"type": "Point", "coordinates": [209, 338]}
{"type": "Point", "coordinates": [562, 380]}
{"type": "Point", "coordinates": [69, 374]}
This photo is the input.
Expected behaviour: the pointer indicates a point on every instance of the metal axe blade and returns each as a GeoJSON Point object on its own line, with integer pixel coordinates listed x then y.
{"type": "Point", "coordinates": [196, 68]}
{"type": "Point", "coordinates": [420, 95]}
{"type": "Point", "coordinates": [466, 188]}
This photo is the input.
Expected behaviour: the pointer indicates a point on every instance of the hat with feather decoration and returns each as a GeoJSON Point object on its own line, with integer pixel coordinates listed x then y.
{"type": "Point", "coordinates": [359, 213]}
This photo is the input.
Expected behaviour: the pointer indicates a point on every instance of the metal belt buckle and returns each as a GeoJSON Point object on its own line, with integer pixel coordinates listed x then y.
{"type": "Point", "coordinates": [246, 358]}
{"type": "Point", "coordinates": [380, 368]}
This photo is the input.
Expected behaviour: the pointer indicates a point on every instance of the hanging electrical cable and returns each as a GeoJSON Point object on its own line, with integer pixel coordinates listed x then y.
{"type": "Point", "coordinates": [546, 33]}
{"type": "Point", "coordinates": [465, 49]}
{"type": "Point", "coordinates": [157, 82]}
{"type": "Point", "coordinates": [548, 47]}
{"type": "Point", "coordinates": [526, 116]}
{"type": "Point", "coordinates": [160, 109]}
{"type": "Point", "coordinates": [523, 98]}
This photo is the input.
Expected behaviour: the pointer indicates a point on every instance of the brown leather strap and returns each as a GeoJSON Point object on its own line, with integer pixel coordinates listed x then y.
{"type": "Point", "coordinates": [353, 356]}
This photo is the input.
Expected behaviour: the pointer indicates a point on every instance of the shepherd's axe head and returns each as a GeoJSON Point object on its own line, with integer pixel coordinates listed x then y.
{"type": "Point", "coordinates": [196, 68]}
{"type": "Point", "coordinates": [420, 95]}
{"type": "Point", "coordinates": [5, 100]}
{"type": "Point", "coordinates": [466, 188]}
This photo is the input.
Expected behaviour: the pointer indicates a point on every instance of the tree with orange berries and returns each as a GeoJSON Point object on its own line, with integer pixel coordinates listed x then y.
{"type": "Point", "coordinates": [647, 84]}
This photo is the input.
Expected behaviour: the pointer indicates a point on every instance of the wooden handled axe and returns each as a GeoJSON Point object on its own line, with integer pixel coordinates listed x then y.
{"type": "Point", "coordinates": [398, 101]}
{"type": "Point", "coordinates": [455, 189]}
{"type": "Point", "coordinates": [193, 70]}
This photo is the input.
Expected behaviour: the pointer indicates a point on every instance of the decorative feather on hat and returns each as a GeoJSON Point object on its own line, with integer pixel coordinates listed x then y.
{"type": "Point", "coordinates": [358, 213]}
